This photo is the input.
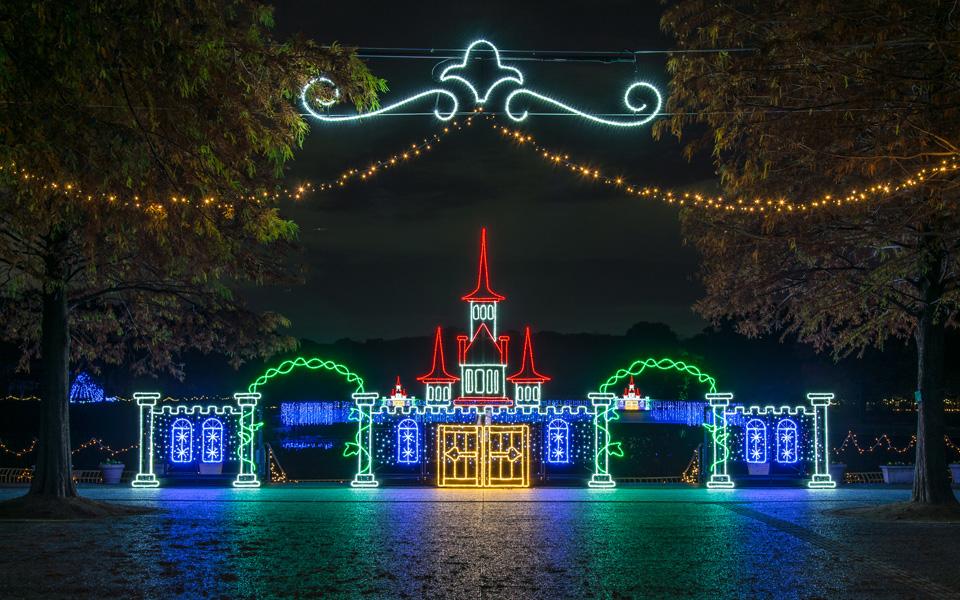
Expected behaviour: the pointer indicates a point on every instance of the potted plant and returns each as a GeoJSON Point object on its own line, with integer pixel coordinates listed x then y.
{"type": "Point", "coordinates": [758, 468]}
{"type": "Point", "coordinates": [112, 470]}
{"type": "Point", "coordinates": [897, 473]}
{"type": "Point", "coordinates": [211, 468]}
{"type": "Point", "coordinates": [837, 470]}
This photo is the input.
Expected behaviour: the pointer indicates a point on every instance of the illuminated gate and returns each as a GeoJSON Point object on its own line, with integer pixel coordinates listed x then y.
{"type": "Point", "coordinates": [483, 456]}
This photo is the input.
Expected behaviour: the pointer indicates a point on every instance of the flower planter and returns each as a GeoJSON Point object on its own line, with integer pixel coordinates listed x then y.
{"type": "Point", "coordinates": [955, 473]}
{"type": "Point", "coordinates": [837, 470]}
{"type": "Point", "coordinates": [897, 474]}
{"type": "Point", "coordinates": [111, 473]}
{"type": "Point", "coordinates": [211, 468]}
{"type": "Point", "coordinates": [758, 468]}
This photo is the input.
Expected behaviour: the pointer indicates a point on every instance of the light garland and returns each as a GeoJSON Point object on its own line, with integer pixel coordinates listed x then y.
{"type": "Point", "coordinates": [409, 153]}
{"type": "Point", "coordinates": [720, 203]}
{"type": "Point", "coordinates": [663, 364]}
{"type": "Point", "coordinates": [153, 206]}
{"type": "Point", "coordinates": [89, 443]}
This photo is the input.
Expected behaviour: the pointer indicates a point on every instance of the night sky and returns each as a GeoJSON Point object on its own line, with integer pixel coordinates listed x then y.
{"type": "Point", "coordinates": [391, 257]}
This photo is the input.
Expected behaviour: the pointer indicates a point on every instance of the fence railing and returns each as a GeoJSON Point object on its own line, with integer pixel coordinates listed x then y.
{"type": "Point", "coordinates": [864, 477]}
{"type": "Point", "coordinates": [12, 475]}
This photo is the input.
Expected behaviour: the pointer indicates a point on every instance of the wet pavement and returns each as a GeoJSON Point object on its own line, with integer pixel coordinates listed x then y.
{"type": "Point", "coordinates": [535, 543]}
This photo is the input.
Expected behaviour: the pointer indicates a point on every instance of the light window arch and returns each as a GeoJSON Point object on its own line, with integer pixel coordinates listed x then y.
{"type": "Point", "coordinates": [558, 442]}
{"type": "Point", "coordinates": [755, 441]}
{"type": "Point", "coordinates": [788, 444]}
{"type": "Point", "coordinates": [181, 441]}
{"type": "Point", "coordinates": [211, 441]}
{"type": "Point", "coordinates": [408, 442]}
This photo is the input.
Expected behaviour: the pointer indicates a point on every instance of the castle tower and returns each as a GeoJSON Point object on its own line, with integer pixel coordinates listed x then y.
{"type": "Point", "coordinates": [482, 355]}
{"type": "Point", "coordinates": [527, 382]}
{"type": "Point", "coordinates": [438, 382]}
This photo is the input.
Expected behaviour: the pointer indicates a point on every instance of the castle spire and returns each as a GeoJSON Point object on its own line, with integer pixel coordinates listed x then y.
{"type": "Point", "coordinates": [528, 371]}
{"type": "Point", "coordinates": [438, 371]}
{"type": "Point", "coordinates": [483, 293]}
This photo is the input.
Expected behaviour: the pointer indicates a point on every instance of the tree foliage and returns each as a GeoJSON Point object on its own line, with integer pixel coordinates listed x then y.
{"type": "Point", "coordinates": [141, 145]}
{"type": "Point", "coordinates": [801, 100]}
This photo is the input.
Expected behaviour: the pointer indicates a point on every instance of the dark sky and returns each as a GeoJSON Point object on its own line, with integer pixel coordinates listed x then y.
{"type": "Point", "coordinates": [391, 257]}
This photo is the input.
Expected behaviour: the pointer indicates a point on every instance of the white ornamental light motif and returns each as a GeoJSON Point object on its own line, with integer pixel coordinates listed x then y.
{"type": "Point", "coordinates": [509, 75]}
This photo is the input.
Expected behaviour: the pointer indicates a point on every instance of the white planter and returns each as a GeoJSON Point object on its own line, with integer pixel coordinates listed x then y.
{"type": "Point", "coordinates": [758, 468]}
{"type": "Point", "coordinates": [111, 473]}
{"type": "Point", "coordinates": [211, 468]}
{"type": "Point", "coordinates": [955, 473]}
{"type": "Point", "coordinates": [897, 474]}
{"type": "Point", "coordinates": [837, 471]}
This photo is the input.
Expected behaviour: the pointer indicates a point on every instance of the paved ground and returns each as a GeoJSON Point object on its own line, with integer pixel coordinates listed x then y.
{"type": "Point", "coordinates": [412, 543]}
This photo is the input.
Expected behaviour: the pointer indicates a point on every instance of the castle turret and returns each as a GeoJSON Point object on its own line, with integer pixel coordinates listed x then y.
{"type": "Point", "coordinates": [438, 381]}
{"type": "Point", "coordinates": [527, 381]}
{"type": "Point", "coordinates": [483, 300]}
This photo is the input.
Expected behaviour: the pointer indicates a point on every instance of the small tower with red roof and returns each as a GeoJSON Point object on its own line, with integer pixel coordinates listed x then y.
{"type": "Point", "coordinates": [438, 382]}
{"type": "Point", "coordinates": [527, 381]}
{"type": "Point", "coordinates": [482, 355]}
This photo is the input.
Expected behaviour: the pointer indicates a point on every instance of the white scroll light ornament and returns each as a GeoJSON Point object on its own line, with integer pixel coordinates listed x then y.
{"type": "Point", "coordinates": [513, 75]}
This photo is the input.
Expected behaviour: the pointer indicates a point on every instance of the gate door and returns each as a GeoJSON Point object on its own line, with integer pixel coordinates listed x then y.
{"type": "Point", "coordinates": [483, 455]}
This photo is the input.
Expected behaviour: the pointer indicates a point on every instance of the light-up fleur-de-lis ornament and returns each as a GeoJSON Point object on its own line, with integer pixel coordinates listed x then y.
{"type": "Point", "coordinates": [506, 75]}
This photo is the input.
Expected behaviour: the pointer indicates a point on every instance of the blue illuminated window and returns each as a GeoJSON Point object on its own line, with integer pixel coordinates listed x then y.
{"type": "Point", "coordinates": [558, 442]}
{"type": "Point", "coordinates": [181, 441]}
{"type": "Point", "coordinates": [211, 438]}
{"type": "Point", "coordinates": [788, 446]}
{"type": "Point", "coordinates": [408, 442]}
{"type": "Point", "coordinates": [756, 441]}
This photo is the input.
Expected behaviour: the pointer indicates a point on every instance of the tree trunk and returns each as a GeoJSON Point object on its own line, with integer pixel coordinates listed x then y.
{"type": "Point", "coordinates": [931, 483]}
{"type": "Point", "coordinates": [52, 477]}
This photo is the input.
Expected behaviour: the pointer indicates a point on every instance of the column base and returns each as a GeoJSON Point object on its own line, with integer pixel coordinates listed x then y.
{"type": "Point", "coordinates": [822, 482]}
{"type": "Point", "coordinates": [720, 482]}
{"type": "Point", "coordinates": [364, 481]}
{"type": "Point", "coordinates": [145, 480]}
{"type": "Point", "coordinates": [601, 481]}
{"type": "Point", "coordinates": [246, 480]}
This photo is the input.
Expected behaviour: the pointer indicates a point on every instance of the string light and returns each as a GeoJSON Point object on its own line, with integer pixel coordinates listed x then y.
{"type": "Point", "coordinates": [663, 364]}
{"type": "Point", "coordinates": [874, 192]}
{"type": "Point", "coordinates": [154, 206]}
{"type": "Point", "coordinates": [92, 442]}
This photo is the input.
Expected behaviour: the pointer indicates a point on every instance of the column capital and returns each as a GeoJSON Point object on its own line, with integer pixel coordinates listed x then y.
{"type": "Point", "coordinates": [820, 398]}
{"type": "Point", "coordinates": [602, 398]}
{"type": "Point", "coordinates": [719, 399]}
{"type": "Point", "coordinates": [365, 398]}
{"type": "Point", "coordinates": [146, 398]}
{"type": "Point", "coordinates": [247, 398]}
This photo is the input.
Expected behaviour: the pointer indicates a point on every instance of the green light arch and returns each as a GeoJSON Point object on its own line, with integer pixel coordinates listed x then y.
{"type": "Point", "coordinates": [664, 364]}
{"type": "Point", "coordinates": [313, 364]}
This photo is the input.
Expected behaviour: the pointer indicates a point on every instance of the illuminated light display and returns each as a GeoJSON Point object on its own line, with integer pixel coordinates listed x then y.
{"type": "Point", "coordinates": [181, 441]}
{"type": "Point", "coordinates": [313, 364]}
{"type": "Point", "coordinates": [509, 74]}
{"type": "Point", "coordinates": [558, 442]}
{"type": "Point", "coordinates": [643, 120]}
{"type": "Point", "coordinates": [756, 440]}
{"type": "Point", "coordinates": [514, 73]}
{"type": "Point", "coordinates": [756, 420]}
{"type": "Point", "coordinates": [483, 456]}
{"type": "Point", "coordinates": [212, 441]}
{"type": "Point", "coordinates": [85, 390]}
{"type": "Point", "coordinates": [408, 442]}
{"type": "Point", "coordinates": [175, 422]}
{"type": "Point", "coordinates": [663, 364]}
{"type": "Point", "coordinates": [788, 444]}
{"type": "Point", "coordinates": [436, 92]}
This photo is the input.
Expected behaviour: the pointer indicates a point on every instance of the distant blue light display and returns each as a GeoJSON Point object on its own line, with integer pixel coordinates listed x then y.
{"type": "Point", "coordinates": [300, 414]}
{"type": "Point", "coordinates": [84, 390]}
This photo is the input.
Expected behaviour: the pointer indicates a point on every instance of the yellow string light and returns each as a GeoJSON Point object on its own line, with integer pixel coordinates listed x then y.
{"type": "Point", "coordinates": [756, 205]}
{"type": "Point", "coordinates": [89, 443]}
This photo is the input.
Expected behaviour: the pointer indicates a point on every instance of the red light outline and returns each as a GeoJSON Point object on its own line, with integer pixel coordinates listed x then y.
{"type": "Point", "coordinates": [483, 293]}
{"type": "Point", "coordinates": [528, 371]}
{"type": "Point", "coordinates": [443, 376]}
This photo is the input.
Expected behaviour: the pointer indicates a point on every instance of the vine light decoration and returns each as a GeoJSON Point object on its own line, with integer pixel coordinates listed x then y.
{"type": "Point", "coordinates": [324, 92]}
